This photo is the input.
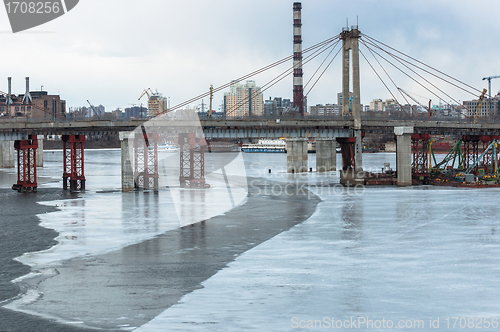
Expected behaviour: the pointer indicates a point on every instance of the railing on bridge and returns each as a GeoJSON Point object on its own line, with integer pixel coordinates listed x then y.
{"type": "Point", "coordinates": [365, 116]}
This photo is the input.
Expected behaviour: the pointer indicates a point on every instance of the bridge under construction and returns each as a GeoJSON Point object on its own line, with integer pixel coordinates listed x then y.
{"type": "Point", "coordinates": [477, 151]}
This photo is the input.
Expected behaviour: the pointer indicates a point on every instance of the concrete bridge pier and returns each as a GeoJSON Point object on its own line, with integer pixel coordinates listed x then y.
{"type": "Point", "coordinates": [326, 155]}
{"type": "Point", "coordinates": [403, 155]}
{"type": "Point", "coordinates": [358, 150]}
{"type": "Point", "coordinates": [7, 155]}
{"type": "Point", "coordinates": [39, 151]}
{"type": "Point", "coordinates": [128, 183]}
{"type": "Point", "coordinates": [296, 155]}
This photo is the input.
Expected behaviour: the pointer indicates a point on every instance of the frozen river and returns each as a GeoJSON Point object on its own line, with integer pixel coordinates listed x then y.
{"type": "Point", "coordinates": [256, 258]}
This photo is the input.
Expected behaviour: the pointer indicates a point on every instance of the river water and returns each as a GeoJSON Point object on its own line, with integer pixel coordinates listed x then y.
{"type": "Point", "coordinates": [263, 251]}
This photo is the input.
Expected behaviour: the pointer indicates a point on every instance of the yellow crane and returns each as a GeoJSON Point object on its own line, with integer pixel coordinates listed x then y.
{"type": "Point", "coordinates": [480, 105]}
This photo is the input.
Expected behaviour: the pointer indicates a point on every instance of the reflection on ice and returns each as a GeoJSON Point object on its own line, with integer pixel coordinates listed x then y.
{"type": "Point", "coordinates": [99, 223]}
{"type": "Point", "coordinates": [103, 222]}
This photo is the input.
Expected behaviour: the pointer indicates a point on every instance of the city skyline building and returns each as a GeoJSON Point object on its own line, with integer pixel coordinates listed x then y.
{"type": "Point", "coordinates": [276, 106]}
{"type": "Point", "coordinates": [471, 107]}
{"type": "Point", "coordinates": [243, 100]}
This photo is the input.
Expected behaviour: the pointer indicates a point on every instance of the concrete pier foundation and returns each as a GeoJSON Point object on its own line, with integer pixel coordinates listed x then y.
{"type": "Point", "coordinates": [358, 150]}
{"type": "Point", "coordinates": [296, 155]}
{"type": "Point", "coordinates": [326, 155]}
{"type": "Point", "coordinates": [352, 178]}
{"type": "Point", "coordinates": [126, 162]}
{"type": "Point", "coordinates": [7, 155]}
{"type": "Point", "coordinates": [39, 151]}
{"type": "Point", "coordinates": [403, 155]}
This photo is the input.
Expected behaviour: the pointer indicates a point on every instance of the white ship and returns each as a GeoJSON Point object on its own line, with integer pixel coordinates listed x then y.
{"type": "Point", "coordinates": [265, 145]}
{"type": "Point", "coordinates": [168, 147]}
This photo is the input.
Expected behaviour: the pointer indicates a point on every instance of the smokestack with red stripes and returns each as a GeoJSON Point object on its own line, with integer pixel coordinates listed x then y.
{"type": "Point", "coordinates": [298, 89]}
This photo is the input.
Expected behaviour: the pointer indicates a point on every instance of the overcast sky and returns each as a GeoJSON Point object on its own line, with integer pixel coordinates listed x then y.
{"type": "Point", "coordinates": [108, 51]}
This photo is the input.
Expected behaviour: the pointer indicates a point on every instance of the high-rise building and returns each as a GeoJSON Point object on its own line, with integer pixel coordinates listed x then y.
{"type": "Point", "coordinates": [389, 105]}
{"type": "Point", "coordinates": [95, 111]}
{"type": "Point", "coordinates": [136, 112]}
{"type": "Point", "coordinates": [325, 110]}
{"type": "Point", "coordinates": [276, 107]}
{"type": "Point", "coordinates": [156, 104]}
{"type": "Point", "coordinates": [243, 100]}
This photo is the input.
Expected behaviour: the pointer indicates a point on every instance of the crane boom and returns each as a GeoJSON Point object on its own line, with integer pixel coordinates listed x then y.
{"type": "Point", "coordinates": [480, 105]}
{"type": "Point", "coordinates": [489, 85]}
{"type": "Point", "coordinates": [490, 77]}
{"type": "Point", "coordinates": [93, 109]}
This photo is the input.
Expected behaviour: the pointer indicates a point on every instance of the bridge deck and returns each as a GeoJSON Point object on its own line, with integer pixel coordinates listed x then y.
{"type": "Point", "coordinates": [251, 127]}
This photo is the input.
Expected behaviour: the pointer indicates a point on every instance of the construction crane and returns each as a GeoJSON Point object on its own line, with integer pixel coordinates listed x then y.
{"type": "Point", "coordinates": [480, 105]}
{"type": "Point", "coordinates": [93, 109]}
{"type": "Point", "coordinates": [210, 111]}
{"type": "Point", "coordinates": [424, 107]}
{"type": "Point", "coordinates": [153, 101]}
{"type": "Point", "coordinates": [489, 85]}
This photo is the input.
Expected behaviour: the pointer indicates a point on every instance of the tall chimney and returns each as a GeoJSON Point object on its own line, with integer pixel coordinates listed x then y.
{"type": "Point", "coordinates": [27, 95]}
{"type": "Point", "coordinates": [298, 89]}
{"type": "Point", "coordinates": [8, 100]}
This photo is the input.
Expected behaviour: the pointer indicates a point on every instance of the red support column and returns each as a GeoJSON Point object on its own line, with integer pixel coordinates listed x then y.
{"type": "Point", "coordinates": [471, 151]}
{"type": "Point", "coordinates": [146, 161]}
{"type": "Point", "coordinates": [192, 161]}
{"type": "Point", "coordinates": [347, 150]}
{"type": "Point", "coordinates": [66, 161]}
{"type": "Point", "coordinates": [139, 161]}
{"type": "Point", "coordinates": [420, 151]}
{"type": "Point", "coordinates": [26, 164]}
{"type": "Point", "coordinates": [185, 160]}
{"type": "Point", "coordinates": [73, 162]}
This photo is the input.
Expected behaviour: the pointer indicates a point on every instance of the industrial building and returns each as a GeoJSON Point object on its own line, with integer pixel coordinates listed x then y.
{"type": "Point", "coordinates": [31, 104]}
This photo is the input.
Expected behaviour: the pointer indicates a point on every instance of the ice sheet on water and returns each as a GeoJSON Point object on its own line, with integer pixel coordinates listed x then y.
{"type": "Point", "coordinates": [383, 253]}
